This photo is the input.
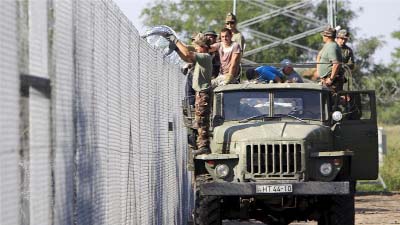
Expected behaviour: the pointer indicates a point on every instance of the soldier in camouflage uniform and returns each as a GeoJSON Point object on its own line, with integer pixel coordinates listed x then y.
{"type": "Point", "coordinates": [347, 53]}
{"type": "Point", "coordinates": [237, 36]}
{"type": "Point", "coordinates": [201, 84]}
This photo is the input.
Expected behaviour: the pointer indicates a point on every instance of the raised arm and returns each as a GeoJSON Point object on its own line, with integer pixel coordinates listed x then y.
{"type": "Point", "coordinates": [182, 50]}
{"type": "Point", "coordinates": [214, 47]}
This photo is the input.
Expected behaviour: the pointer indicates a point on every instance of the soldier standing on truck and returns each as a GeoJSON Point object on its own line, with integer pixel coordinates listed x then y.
{"type": "Point", "coordinates": [237, 36]}
{"type": "Point", "coordinates": [229, 53]}
{"type": "Point", "coordinates": [347, 53]}
{"type": "Point", "coordinates": [212, 36]}
{"type": "Point", "coordinates": [329, 60]}
{"type": "Point", "coordinates": [201, 84]}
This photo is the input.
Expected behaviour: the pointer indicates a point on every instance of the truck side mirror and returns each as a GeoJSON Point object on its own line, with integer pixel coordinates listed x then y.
{"type": "Point", "coordinates": [337, 117]}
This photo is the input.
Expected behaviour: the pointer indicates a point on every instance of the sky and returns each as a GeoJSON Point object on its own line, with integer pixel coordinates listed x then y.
{"type": "Point", "coordinates": [378, 18]}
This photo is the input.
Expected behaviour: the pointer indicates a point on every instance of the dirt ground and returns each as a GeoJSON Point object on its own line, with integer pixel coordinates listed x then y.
{"type": "Point", "coordinates": [377, 209]}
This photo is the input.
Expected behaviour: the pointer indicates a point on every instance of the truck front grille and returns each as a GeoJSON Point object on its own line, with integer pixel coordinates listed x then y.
{"type": "Point", "coordinates": [275, 160]}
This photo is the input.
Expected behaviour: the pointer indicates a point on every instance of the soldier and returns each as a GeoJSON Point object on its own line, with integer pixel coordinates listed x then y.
{"type": "Point", "coordinates": [201, 84]}
{"type": "Point", "coordinates": [329, 60]}
{"type": "Point", "coordinates": [230, 23]}
{"type": "Point", "coordinates": [212, 36]}
{"type": "Point", "coordinates": [347, 53]}
{"type": "Point", "coordinates": [229, 54]}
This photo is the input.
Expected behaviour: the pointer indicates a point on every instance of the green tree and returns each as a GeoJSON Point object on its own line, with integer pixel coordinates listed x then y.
{"type": "Point", "coordinates": [384, 79]}
{"type": "Point", "coordinates": [186, 17]}
{"type": "Point", "coordinates": [364, 49]}
{"type": "Point", "coordinates": [396, 53]}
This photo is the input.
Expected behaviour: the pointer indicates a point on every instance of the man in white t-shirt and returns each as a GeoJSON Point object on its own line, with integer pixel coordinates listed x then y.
{"type": "Point", "coordinates": [229, 53]}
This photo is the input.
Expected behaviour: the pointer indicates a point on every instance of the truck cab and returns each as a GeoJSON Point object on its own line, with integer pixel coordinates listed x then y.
{"type": "Point", "coordinates": [284, 152]}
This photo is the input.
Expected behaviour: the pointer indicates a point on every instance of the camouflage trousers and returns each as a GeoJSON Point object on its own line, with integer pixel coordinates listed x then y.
{"type": "Point", "coordinates": [202, 118]}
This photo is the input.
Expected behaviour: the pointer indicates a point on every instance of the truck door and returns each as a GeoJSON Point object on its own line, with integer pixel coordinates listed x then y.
{"type": "Point", "coordinates": [358, 132]}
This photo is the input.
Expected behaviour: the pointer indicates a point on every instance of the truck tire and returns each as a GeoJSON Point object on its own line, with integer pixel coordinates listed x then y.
{"type": "Point", "coordinates": [207, 209]}
{"type": "Point", "coordinates": [339, 210]}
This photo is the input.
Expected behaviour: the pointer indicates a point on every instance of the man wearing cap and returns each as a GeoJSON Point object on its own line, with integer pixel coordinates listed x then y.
{"type": "Point", "coordinates": [229, 55]}
{"type": "Point", "coordinates": [347, 53]}
{"type": "Point", "coordinates": [328, 61]}
{"type": "Point", "coordinates": [290, 74]}
{"type": "Point", "coordinates": [212, 36]}
{"type": "Point", "coordinates": [230, 23]}
{"type": "Point", "coordinates": [201, 84]}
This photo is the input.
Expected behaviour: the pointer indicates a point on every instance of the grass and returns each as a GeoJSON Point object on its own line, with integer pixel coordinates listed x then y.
{"type": "Point", "coordinates": [369, 187]}
{"type": "Point", "coordinates": [390, 170]}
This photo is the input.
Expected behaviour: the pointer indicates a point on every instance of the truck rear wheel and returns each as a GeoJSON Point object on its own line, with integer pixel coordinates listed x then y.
{"type": "Point", "coordinates": [207, 209]}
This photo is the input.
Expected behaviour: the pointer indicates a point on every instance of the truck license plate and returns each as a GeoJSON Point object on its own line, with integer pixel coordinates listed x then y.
{"type": "Point", "coordinates": [281, 188]}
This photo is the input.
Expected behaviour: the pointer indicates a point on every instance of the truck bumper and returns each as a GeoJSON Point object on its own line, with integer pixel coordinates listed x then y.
{"type": "Point", "coordinates": [298, 188]}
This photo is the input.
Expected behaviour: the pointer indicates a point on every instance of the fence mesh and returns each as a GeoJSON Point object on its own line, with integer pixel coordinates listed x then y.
{"type": "Point", "coordinates": [91, 125]}
{"type": "Point", "coordinates": [9, 116]}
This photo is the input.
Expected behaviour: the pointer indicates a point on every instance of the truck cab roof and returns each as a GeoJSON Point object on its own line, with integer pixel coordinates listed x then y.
{"type": "Point", "coordinates": [268, 86]}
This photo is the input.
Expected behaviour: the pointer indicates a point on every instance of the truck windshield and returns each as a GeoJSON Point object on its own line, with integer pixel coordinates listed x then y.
{"type": "Point", "coordinates": [298, 103]}
{"type": "Point", "coordinates": [241, 105]}
{"type": "Point", "coordinates": [302, 104]}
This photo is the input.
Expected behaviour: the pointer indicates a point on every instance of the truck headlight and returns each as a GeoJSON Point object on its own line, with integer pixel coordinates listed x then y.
{"type": "Point", "coordinates": [337, 116]}
{"type": "Point", "coordinates": [222, 170]}
{"type": "Point", "coordinates": [325, 169]}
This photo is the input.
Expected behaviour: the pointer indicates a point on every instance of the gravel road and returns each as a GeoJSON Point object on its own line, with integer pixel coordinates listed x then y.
{"type": "Point", "coordinates": [377, 209]}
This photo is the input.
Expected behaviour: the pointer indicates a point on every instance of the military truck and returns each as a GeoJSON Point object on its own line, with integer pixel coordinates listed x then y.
{"type": "Point", "coordinates": [285, 152]}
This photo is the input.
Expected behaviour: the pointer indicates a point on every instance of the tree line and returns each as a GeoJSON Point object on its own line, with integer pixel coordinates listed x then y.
{"type": "Point", "coordinates": [186, 17]}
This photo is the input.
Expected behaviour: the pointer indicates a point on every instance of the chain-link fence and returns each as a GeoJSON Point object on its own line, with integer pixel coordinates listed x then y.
{"type": "Point", "coordinates": [90, 123]}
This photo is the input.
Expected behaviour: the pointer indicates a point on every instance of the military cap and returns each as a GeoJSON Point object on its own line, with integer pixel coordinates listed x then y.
{"type": "Point", "coordinates": [329, 32]}
{"type": "Point", "coordinates": [343, 34]}
{"type": "Point", "coordinates": [192, 37]}
{"type": "Point", "coordinates": [230, 17]}
{"type": "Point", "coordinates": [201, 40]}
{"type": "Point", "coordinates": [211, 32]}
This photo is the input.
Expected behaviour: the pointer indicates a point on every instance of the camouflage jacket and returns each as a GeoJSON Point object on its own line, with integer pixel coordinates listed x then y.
{"type": "Point", "coordinates": [347, 56]}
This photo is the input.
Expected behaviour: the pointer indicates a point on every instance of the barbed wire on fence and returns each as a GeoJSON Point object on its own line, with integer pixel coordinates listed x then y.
{"type": "Point", "coordinates": [387, 89]}
{"type": "Point", "coordinates": [154, 36]}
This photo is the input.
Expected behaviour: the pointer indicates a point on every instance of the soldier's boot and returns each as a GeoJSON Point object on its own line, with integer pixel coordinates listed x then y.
{"type": "Point", "coordinates": [201, 151]}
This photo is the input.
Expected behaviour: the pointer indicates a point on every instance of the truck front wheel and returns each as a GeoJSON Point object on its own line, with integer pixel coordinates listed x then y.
{"type": "Point", "coordinates": [207, 208]}
{"type": "Point", "coordinates": [338, 210]}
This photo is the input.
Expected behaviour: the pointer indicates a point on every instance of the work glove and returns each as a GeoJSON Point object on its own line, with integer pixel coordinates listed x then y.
{"type": "Point", "coordinates": [172, 46]}
{"type": "Point", "coordinates": [172, 38]}
{"type": "Point", "coordinates": [222, 83]}
{"type": "Point", "coordinates": [228, 78]}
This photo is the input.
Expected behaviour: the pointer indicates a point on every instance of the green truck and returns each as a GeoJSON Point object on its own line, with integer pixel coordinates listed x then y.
{"type": "Point", "coordinates": [285, 152]}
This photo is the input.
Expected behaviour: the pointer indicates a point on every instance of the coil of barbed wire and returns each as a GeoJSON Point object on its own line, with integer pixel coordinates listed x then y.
{"type": "Point", "coordinates": [387, 89]}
